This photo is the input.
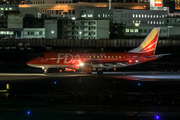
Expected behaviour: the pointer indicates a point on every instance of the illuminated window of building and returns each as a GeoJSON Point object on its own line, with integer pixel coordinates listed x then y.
{"type": "Point", "coordinates": [105, 15]}
{"type": "Point", "coordinates": [136, 15]}
{"type": "Point", "coordinates": [148, 16]}
{"type": "Point", "coordinates": [139, 21]}
{"type": "Point", "coordinates": [162, 22]}
{"type": "Point", "coordinates": [136, 30]}
{"type": "Point", "coordinates": [133, 22]}
{"type": "Point", "coordinates": [162, 16]}
{"type": "Point", "coordinates": [142, 16]}
{"type": "Point", "coordinates": [148, 22]}
{"type": "Point", "coordinates": [139, 16]}
{"type": "Point", "coordinates": [10, 8]}
{"type": "Point", "coordinates": [133, 15]}
{"type": "Point", "coordinates": [90, 15]}
{"type": "Point", "coordinates": [131, 30]}
{"type": "Point", "coordinates": [6, 8]}
{"type": "Point", "coordinates": [156, 16]}
{"type": "Point", "coordinates": [151, 16]}
{"type": "Point", "coordinates": [159, 22]}
{"type": "Point", "coordinates": [11, 32]}
{"type": "Point", "coordinates": [154, 22]}
{"type": "Point", "coordinates": [84, 15]}
{"type": "Point", "coordinates": [99, 15]}
{"type": "Point", "coordinates": [127, 30]}
{"type": "Point", "coordinates": [2, 8]}
{"type": "Point", "coordinates": [151, 22]}
{"type": "Point", "coordinates": [145, 15]}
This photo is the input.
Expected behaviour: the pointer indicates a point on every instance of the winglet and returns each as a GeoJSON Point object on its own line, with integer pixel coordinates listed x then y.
{"type": "Point", "coordinates": [149, 43]}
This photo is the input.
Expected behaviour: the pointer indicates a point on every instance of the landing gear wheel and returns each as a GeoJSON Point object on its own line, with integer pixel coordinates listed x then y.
{"type": "Point", "coordinates": [100, 72]}
{"type": "Point", "coordinates": [45, 71]}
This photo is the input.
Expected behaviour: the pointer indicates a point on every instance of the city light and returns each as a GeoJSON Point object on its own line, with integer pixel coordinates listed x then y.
{"type": "Point", "coordinates": [55, 82]}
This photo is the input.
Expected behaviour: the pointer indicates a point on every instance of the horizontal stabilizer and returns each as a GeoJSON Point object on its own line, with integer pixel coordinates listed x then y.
{"type": "Point", "coordinates": [157, 56]}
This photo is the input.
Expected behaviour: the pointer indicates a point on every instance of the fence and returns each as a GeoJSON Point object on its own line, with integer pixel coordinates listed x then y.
{"type": "Point", "coordinates": [114, 43]}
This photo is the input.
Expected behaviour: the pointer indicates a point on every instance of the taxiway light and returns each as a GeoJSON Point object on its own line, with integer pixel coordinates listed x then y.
{"type": "Point", "coordinates": [157, 117]}
{"type": "Point", "coordinates": [139, 84]}
{"type": "Point", "coordinates": [55, 82]}
{"type": "Point", "coordinates": [28, 112]}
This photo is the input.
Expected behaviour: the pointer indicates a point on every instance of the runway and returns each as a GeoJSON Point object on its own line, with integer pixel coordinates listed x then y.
{"type": "Point", "coordinates": [140, 75]}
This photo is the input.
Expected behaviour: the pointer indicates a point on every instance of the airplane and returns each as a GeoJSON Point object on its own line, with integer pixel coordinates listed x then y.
{"type": "Point", "coordinates": [87, 62]}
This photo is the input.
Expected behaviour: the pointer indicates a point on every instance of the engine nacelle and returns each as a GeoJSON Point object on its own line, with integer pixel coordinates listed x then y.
{"type": "Point", "coordinates": [87, 69]}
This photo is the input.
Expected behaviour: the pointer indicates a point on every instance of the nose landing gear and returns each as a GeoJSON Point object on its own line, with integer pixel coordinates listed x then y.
{"type": "Point", "coordinates": [46, 70]}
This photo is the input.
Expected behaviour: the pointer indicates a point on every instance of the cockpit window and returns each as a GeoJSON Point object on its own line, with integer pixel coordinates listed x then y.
{"type": "Point", "coordinates": [40, 55]}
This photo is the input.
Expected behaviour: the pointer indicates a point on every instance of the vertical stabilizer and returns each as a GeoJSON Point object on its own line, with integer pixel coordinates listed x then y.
{"type": "Point", "coordinates": [149, 43]}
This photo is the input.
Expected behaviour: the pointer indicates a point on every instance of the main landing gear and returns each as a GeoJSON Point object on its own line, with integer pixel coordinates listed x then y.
{"type": "Point", "coordinates": [100, 72]}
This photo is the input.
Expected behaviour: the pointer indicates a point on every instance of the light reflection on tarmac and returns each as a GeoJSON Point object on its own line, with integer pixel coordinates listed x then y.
{"type": "Point", "coordinates": [140, 75]}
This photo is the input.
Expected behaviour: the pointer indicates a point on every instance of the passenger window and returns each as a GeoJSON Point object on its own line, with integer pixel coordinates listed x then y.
{"type": "Point", "coordinates": [104, 56]}
{"type": "Point", "coordinates": [97, 56]}
{"type": "Point", "coordinates": [108, 56]}
{"type": "Point", "coordinates": [94, 56]}
{"type": "Point", "coordinates": [112, 56]}
{"type": "Point", "coordinates": [116, 57]}
{"type": "Point", "coordinates": [119, 56]}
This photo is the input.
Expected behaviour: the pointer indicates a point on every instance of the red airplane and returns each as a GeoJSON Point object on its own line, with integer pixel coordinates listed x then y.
{"type": "Point", "coordinates": [88, 61]}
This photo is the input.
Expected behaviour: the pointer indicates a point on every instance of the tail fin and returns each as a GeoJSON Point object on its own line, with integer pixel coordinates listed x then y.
{"type": "Point", "coordinates": [149, 43]}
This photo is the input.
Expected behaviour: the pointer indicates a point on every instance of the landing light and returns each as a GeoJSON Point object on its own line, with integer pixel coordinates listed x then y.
{"type": "Point", "coordinates": [43, 68]}
{"type": "Point", "coordinates": [81, 64]}
{"type": "Point", "coordinates": [136, 60]}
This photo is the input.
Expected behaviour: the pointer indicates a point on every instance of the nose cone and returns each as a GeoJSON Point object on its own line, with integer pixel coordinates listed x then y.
{"type": "Point", "coordinates": [30, 62]}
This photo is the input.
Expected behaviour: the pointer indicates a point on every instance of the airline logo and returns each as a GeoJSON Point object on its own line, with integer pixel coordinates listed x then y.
{"type": "Point", "coordinates": [150, 45]}
{"type": "Point", "coordinates": [65, 57]}
{"type": "Point", "coordinates": [70, 58]}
